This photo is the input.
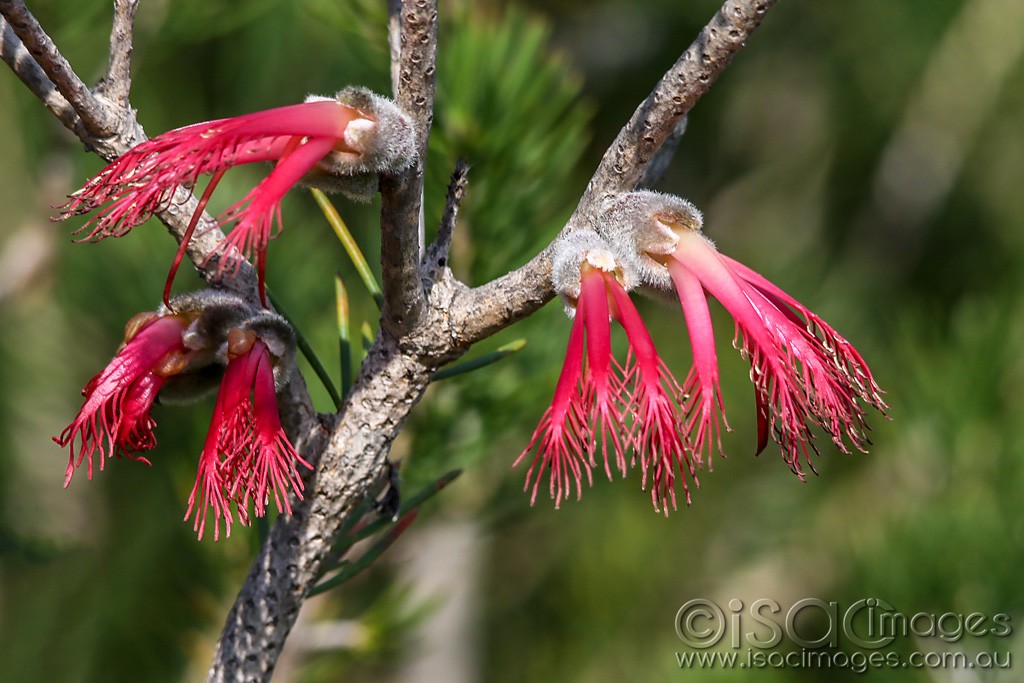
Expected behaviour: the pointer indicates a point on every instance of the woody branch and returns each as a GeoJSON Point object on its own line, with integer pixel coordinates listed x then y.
{"type": "Point", "coordinates": [422, 327]}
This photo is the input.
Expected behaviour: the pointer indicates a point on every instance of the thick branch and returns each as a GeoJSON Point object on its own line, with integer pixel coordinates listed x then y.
{"type": "Point", "coordinates": [96, 118]}
{"type": "Point", "coordinates": [656, 118]}
{"type": "Point", "coordinates": [402, 195]}
{"type": "Point", "coordinates": [288, 565]}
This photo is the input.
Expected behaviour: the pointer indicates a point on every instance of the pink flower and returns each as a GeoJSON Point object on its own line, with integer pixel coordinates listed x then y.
{"type": "Point", "coordinates": [804, 372]}
{"type": "Point", "coordinates": [654, 401]}
{"type": "Point", "coordinates": [115, 418]}
{"type": "Point", "coordinates": [247, 455]}
{"type": "Point", "coordinates": [321, 141]}
{"type": "Point", "coordinates": [593, 399]}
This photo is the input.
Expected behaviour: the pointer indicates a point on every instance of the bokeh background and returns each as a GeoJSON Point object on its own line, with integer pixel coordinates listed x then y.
{"type": "Point", "coordinates": [868, 157]}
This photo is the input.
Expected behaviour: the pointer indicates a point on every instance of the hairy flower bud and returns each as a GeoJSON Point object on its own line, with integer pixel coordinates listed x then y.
{"type": "Point", "coordinates": [643, 228]}
{"type": "Point", "coordinates": [574, 250]}
{"type": "Point", "coordinates": [212, 313]}
{"type": "Point", "coordinates": [381, 140]}
{"type": "Point", "coordinates": [279, 337]}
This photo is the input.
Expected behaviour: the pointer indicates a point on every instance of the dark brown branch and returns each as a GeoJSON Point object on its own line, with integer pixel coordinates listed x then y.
{"type": "Point", "coordinates": [402, 195]}
{"type": "Point", "coordinates": [31, 74]}
{"type": "Point", "coordinates": [117, 84]}
{"type": "Point", "coordinates": [95, 117]}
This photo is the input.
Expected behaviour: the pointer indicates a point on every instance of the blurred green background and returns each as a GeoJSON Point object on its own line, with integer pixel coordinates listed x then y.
{"type": "Point", "coordinates": [868, 157]}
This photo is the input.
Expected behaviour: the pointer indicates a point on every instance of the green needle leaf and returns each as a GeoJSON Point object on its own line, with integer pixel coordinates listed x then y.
{"type": "Point", "coordinates": [349, 242]}
{"type": "Point", "coordinates": [352, 533]}
{"type": "Point", "coordinates": [344, 335]}
{"type": "Point", "coordinates": [367, 333]}
{"type": "Point", "coordinates": [482, 361]}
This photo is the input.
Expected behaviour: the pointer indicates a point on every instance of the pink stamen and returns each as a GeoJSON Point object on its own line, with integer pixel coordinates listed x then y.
{"type": "Point", "coordinates": [114, 420]}
{"type": "Point", "coordinates": [703, 412]}
{"type": "Point", "coordinates": [562, 437]}
{"type": "Point", "coordinates": [603, 387]}
{"type": "Point", "coordinates": [246, 455]}
{"type": "Point", "coordinates": [655, 396]}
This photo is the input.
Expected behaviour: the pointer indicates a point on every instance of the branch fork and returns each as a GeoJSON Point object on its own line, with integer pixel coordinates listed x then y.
{"type": "Point", "coordinates": [429, 318]}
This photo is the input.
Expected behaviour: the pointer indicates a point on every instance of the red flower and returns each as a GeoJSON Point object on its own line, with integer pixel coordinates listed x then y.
{"type": "Point", "coordinates": [247, 455]}
{"type": "Point", "coordinates": [322, 141]}
{"type": "Point", "coordinates": [115, 419]}
{"type": "Point", "coordinates": [654, 401]}
{"type": "Point", "coordinates": [803, 371]}
{"type": "Point", "coordinates": [593, 399]}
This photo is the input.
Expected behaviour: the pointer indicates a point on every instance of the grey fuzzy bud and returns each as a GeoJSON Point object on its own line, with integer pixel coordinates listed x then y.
{"type": "Point", "coordinates": [279, 337]}
{"type": "Point", "coordinates": [570, 254]}
{"type": "Point", "coordinates": [643, 226]}
{"type": "Point", "coordinates": [215, 313]}
{"type": "Point", "coordinates": [384, 140]}
{"type": "Point", "coordinates": [212, 313]}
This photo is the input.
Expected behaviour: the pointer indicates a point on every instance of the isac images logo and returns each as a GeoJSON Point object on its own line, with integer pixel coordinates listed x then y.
{"type": "Point", "coordinates": [813, 633]}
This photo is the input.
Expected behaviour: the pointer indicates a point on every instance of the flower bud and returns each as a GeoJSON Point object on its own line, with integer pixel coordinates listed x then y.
{"type": "Point", "coordinates": [211, 313]}
{"type": "Point", "coordinates": [578, 250]}
{"type": "Point", "coordinates": [279, 337]}
{"type": "Point", "coordinates": [382, 140]}
{"type": "Point", "coordinates": [643, 228]}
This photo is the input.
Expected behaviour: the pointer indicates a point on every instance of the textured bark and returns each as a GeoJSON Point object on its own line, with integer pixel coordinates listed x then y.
{"type": "Point", "coordinates": [429, 318]}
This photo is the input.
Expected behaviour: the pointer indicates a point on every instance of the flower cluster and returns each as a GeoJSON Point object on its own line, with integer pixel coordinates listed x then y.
{"type": "Point", "coordinates": [805, 374]}
{"type": "Point", "coordinates": [178, 353]}
{"type": "Point", "coordinates": [339, 144]}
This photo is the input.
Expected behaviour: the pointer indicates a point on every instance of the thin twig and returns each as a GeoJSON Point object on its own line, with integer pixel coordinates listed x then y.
{"type": "Point", "coordinates": [31, 74]}
{"type": "Point", "coordinates": [437, 256]}
{"type": "Point", "coordinates": [117, 84]}
{"type": "Point", "coordinates": [402, 195]}
{"type": "Point", "coordinates": [97, 119]}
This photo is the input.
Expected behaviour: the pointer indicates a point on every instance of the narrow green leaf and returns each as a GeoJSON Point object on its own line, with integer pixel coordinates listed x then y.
{"type": "Point", "coordinates": [344, 335]}
{"type": "Point", "coordinates": [348, 569]}
{"type": "Point", "coordinates": [349, 242]}
{"type": "Point", "coordinates": [367, 333]}
{"type": "Point", "coordinates": [482, 361]}
{"type": "Point", "coordinates": [351, 532]}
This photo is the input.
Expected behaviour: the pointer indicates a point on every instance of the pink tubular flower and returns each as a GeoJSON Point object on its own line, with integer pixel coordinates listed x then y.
{"type": "Point", "coordinates": [803, 371]}
{"type": "Point", "coordinates": [247, 455]}
{"type": "Point", "coordinates": [115, 419]}
{"type": "Point", "coordinates": [323, 141]}
{"type": "Point", "coordinates": [592, 399]}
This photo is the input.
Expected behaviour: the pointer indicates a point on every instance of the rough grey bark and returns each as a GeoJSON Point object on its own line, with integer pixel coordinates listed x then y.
{"type": "Point", "coordinates": [430, 318]}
